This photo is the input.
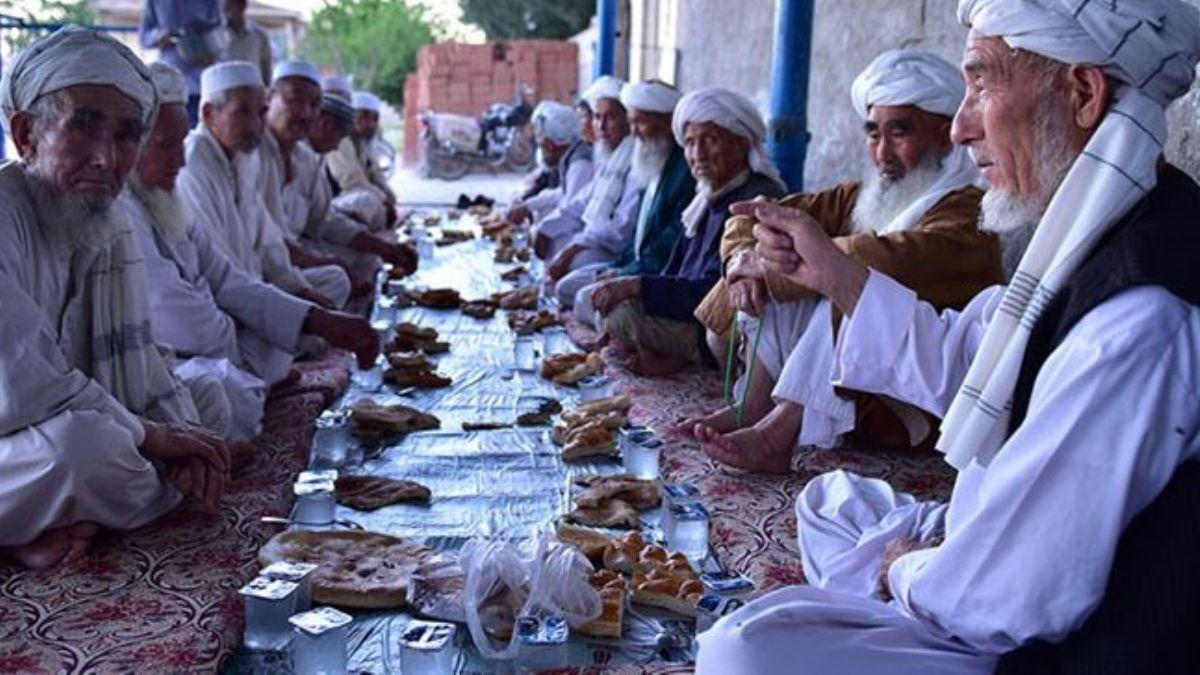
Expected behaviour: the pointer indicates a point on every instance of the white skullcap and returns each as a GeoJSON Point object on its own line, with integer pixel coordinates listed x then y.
{"type": "Point", "coordinates": [339, 84]}
{"type": "Point", "coordinates": [365, 100]}
{"type": "Point", "coordinates": [557, 122]}
{"type": "Point", "coordinates": [75, 56]}
{"type": "Point", "coordinates": [730, 111]}
{"type": "Point", "coordinates": [169, 82]}
{"type": "Point", "coordinates": [605, 86]}
{"type": "Point", "coordinates": [654, 97]}
{"type": "Point", "coordinates": [909, 77]}
{"type": "Point", "coordinates": [1152, 45]}
{"type": "Point", "coordinates": [294, 68]}
{"type": "Point", "coordinates": [228, 75]}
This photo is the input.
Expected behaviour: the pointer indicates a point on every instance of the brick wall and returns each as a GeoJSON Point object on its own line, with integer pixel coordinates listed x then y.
{"type": "Point", "coordinates": [467, 79]}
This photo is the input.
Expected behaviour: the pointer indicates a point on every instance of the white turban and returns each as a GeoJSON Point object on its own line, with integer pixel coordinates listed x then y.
{"type": "Point", "coordinates": [1150, 47]}
{"type": "Point", "coordinates": [170, 83]}
{"type": "Point", "coordinates": [365, 100]}
{"type": "Point", "coordinates": [339, 84]}
{"type": "Point", "coordinates": [75, 56]}
{"type": "Point", "coordinates": [909, 77]}
{"type": "Point", "coordinates": [301, 69]}
{"type": "Point", "coordinates": [730, 111]}
{"type": "Point", "coordinates": [228, 75]}
{"type": "Point", "coordinates": [556, 122]}
{"type": "Point", "coordinates": [654, 97]}
{"type": "Point", "coordinates": [605, 86]}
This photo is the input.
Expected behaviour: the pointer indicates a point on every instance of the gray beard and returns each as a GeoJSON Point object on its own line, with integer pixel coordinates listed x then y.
{"type": "Point", "coordinates": [1014, 218]}
{"type": "Point", "coordinates": [168, 213]}
{"type": "Point", "coordinates": [880, 200]}
{"type": "Point", "coordinates": [71, 222]}
{"type": "Point", "coordinates": [650, 155]}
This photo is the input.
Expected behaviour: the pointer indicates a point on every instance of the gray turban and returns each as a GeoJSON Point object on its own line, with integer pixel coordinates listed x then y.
{"type": "Point", "coordinates": [170, 83]}
{"type": "Point", "coordinates": [557, 122]}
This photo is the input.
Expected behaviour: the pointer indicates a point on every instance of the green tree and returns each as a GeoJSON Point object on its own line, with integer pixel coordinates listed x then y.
{"type": "Point", "coordinates": [515, 19]}
{"type": "Point", "coordinates": [376, 41]}
{"type": "Point", "coordinates": [42, 11]}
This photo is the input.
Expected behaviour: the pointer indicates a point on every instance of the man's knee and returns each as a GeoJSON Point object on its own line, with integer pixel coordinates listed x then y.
{"type": "Point", "coordinates": [621, 322]}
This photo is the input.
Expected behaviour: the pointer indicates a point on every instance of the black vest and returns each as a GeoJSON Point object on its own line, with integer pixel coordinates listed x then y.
{"type": "Point", "coordinates": [1149, 618]}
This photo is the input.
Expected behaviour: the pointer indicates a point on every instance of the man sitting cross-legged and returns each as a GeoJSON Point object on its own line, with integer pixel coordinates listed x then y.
{"type": "Point", "coordinates": [914, 215]}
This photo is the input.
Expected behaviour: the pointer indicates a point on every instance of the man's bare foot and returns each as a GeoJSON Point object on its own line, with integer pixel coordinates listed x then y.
{"type": "Point", "coordinates": [721, 421]}
{"type": "Point", "coordinates": [59, 546]}
{"type": "Point", "coordinates": [648, 364]}
{"type": "Point", "coordinates": [617, 354]}
{"type": "Point", "coordinates": [766, 446]}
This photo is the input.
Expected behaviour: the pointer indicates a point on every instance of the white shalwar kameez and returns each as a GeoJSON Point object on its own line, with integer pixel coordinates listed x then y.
{"type": "Point", "coordinates": [1029, 538]}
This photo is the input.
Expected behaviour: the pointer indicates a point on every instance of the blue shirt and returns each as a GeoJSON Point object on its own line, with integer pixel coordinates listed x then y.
{"type": "Point", "coordinates": [176, 17]}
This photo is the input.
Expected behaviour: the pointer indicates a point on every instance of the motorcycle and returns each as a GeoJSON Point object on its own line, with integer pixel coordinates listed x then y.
{"type": "Point", "coordinates": [502, 139]}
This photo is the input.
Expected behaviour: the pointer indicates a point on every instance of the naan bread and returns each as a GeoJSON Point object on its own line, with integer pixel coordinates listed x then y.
{"type": "Point", "coordinates": [367, 415]}
{"type": "Point", "coordinates": [591, 441]}
{"type": "Point", "coordinates": [421, 379]}
{"type": "Point", "coordinates": [437, 298]}
{"type": "Point", "coordinates": [557, 364]}
{"type": "Point", "coordinates": [409, 361]}
{"type": "Point", "coordinates": [479, 309]}
{"type": "Point", "coordinates": [592, 365]}
{"type": "Point", "coordinates": [522, 298]}
{"type": "Point", "coordinates": [620, 404]}
{"type": "Point", "coordinates": [610, 513]}
{"type": "Point", "coordinates": [638, 493]}
{"type": "Point", "coordinates": [364, 570]}
{"type": "Point", "coordinates": [590, 542]}
{"type": "Point", "coordinates": [368, 493]}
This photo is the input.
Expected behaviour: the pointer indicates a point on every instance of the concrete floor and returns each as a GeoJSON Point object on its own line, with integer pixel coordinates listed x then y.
{"type": "Point", "coordinates": [413, 190]}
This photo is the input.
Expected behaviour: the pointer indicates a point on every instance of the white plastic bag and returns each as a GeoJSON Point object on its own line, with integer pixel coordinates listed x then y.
{"type": "Point", "coordinates": [546, 576]}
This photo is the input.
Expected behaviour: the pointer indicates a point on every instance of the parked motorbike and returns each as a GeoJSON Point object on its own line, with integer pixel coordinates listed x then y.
{"type": "Point", "coordinates": [502, 140]}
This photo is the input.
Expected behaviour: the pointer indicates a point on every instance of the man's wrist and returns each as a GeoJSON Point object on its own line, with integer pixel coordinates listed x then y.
{"type": "Point", "coordinates": [846, 285]}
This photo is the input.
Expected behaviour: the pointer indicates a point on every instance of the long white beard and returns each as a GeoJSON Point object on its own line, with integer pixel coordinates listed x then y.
{"type": "Point", "coordinates": [71, 221]}
{"type": "Point", "coordinates": [1014, 218]}
{"type": "Point", "coordinates": [168, 213]}
{"type": "Point", "coordinates": [650, 155]}
{"type": "Point", "coordinates": [880, 200]}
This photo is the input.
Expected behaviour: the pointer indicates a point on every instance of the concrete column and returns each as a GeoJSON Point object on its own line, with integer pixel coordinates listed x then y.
{"type": "Point", "coordinates": [788, 136]}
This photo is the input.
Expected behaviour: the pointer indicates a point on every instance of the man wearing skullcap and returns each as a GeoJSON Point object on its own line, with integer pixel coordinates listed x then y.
{"type": "Point", "coordinates": [219, 323]}
{"type": "Point", "coordinates": [650, 313]}
{"type": "Point", "coordinates": [914, 214]}
{"type": "Point", "coordinates": [610, 201]}
{"type": "Point", "coordinates": [659, 174]}
{"type": "Point", "coordinates": [356, 170]}
{"type": "Point", "coordinates": [95, 432]}
{"type": "Point", "coordinates": [246, 41]}
{"type": "Point", "coordinates": [1069, 396]}
{"type": "Point", "coordinates": [566, 158]}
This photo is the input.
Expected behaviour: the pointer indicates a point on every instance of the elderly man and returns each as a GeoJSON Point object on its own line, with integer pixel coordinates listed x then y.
{"type": "Point", "coordinates": [355, 168]}
{"type": "Point", "coordinates": [216, 319]}
{"type": "Point", "coordinates": [915, 215]}
{"type": "Point", "coordinates": [222, 179]}
{"type": "Point", "coordinates": [1075, 420]}
{"type": "Point", "coordinates": [566, 158]}
{"type": "Point", "coordinates": [611, 200]}
{"type": "Point", "coordinates": [94, 430]}
{"type": "Point", "coordinates": [649, 316]}
{"type": "Point", "coordinates": [659, 173]}
{"type": "Point", "coordinates": [295, 189]}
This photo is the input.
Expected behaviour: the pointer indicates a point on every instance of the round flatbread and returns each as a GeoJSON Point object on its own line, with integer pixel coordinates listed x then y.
{"type": "Point", "coordinates": [364, 570]}
{"type": "Point", "coordinates": [367, 493]}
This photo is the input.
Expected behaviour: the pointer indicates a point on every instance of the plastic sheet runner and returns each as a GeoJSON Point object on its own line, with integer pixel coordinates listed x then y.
{"type": "Point", "coordinates": [498, 482]}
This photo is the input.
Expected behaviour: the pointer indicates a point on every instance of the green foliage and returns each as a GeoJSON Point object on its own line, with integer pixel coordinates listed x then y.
{"type": "Point", "coordinates": [515, 19]}
{"type": "Point", "coordinates": [376, 41]}
{"type": "Point", "coordinates": [43, 11]}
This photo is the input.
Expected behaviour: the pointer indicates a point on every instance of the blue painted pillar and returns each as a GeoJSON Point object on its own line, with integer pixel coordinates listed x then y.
{"type": "Point", "coordinates": [788, 135]}
{"type": "Point", "coordinates": [606, 42]}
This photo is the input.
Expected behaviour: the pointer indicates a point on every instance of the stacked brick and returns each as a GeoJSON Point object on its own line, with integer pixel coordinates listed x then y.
{"type": "Point", "coordinates": [467, 79]}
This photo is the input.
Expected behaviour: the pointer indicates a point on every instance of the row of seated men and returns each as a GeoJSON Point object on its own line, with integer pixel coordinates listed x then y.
{"type": "Point", "coordinates": [1011, 282]}
{"type": "Point", "coordinates": [158, 282]}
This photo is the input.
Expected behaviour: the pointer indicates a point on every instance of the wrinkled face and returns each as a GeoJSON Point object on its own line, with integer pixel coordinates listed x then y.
{"type": "Point", "coordinates": [366, 124]}
{"type": "Point", "coordinates": [295, 102]}
{"type": "Point", "coordinates": [996, 121]}
{"type": "Point", "coordinates": [327, 132]}
{"type": "Point", "coordinates": [715, 154]}
{"type": "Point", "coordinates": [551, 151]}
{"type": "Point", "coordinates": [610, 122]}
{"type": "Point", "coordinates": [899, 137]}
{"type": "Point", "coordinates": [85, 141]}
{"type": "Point", "coordinates": [649, 124]}
{"type": "Point", "coordinates": [585, 118]}
{"type": "Point", "coordinates": [163, 154]}
{"type": "Point", "coordinates": [238, 123]}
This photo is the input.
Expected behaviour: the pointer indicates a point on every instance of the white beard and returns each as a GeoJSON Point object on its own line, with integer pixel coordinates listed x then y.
{"type": "Point", "coordinates": [880, 200]}
{"type": "Point", "coordinates": [650, 155]}
{"type": "Point", "coordinates": [601, 151]}
{"type": "Point", "coordinates": [71, 222]}
{"type": "Point", "coordinates": [167, 211]}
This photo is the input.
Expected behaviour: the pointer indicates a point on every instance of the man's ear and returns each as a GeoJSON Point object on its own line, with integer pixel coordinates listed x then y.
{"type": "Point", "coordinates": [21, 125]}
{"type": "Point", "coordinates": [1090, 91]}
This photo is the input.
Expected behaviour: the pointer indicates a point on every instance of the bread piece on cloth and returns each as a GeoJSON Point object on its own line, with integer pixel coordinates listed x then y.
{"type": "Point", "coordinates": [621, 404]}
{"type": "Point", "coordinates": [437, 298]}
{"type": "Point", "coordinates": [364, 570]}
{"type": "Point", "coordinates": [368, 493]}
{"type": "Point", "coordinates": [609, 513]}
{"type": "Point", "coordinates": [591, 542]}
{"type": "Point", "coordinates": [592, 365]}
{"type": "Point", "coordinates": [421, 379]}
{"type": "Point", "coordinates": [409, 361]}
{"type": "Point", "coordinates": [479, 309]}
{"type": "Point", "coordinates": [370, 416]}
{"type": "Point", "coordinates": [638, 493]}
{"type": "Point", "coordinates": [613, 590]}
{"type": "Point", "coordinates": [557, 364]}
{"type": "Point", "coordinates": [671, 585]}
{"type": "Point", "coordinates": [593, 441]}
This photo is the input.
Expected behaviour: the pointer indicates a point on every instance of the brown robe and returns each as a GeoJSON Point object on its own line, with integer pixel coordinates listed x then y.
{"type": "Point", "coordinates": [945, 258]}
